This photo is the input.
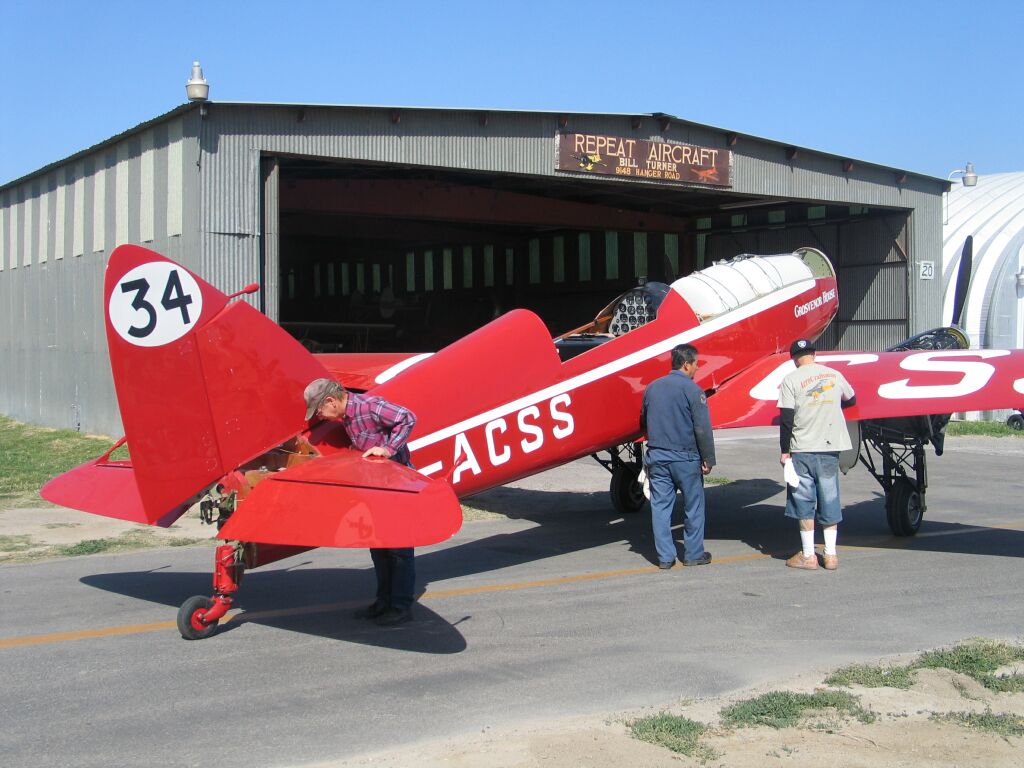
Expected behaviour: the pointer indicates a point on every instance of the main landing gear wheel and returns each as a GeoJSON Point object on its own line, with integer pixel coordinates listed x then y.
{"type": "Point", "coordinates": [627, 495]}
{"type": "Point", "coordinates": [903, 508]}
{"type": "Point", "coordinates": [190, 625]}
{"type": "Point", "coordinates": [1015, 422]}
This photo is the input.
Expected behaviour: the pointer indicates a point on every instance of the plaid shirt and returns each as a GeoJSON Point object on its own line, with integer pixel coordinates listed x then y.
{"type": "Point", "coordinates": [373, 421]}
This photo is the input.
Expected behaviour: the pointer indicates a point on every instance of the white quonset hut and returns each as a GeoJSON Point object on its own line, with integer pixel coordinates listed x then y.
{"type": "Point", "coordinates": [396, 228]}
{"type": "Point", "coordinates": [992, 212]}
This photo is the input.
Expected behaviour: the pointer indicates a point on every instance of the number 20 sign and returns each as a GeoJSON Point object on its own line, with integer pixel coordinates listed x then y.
{"type": "Point", "coordinates": [155, 304]}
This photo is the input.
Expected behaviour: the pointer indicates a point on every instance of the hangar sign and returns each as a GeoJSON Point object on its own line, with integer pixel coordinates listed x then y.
{"type": "Point", "coordinates": [641, 159]}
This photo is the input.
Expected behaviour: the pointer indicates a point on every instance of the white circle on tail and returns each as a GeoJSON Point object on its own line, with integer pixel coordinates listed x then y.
{"type": "Point", "coordinates": [155, 304]}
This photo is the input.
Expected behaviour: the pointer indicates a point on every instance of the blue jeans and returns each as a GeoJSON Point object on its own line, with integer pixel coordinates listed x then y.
{"type": "Point", "coordinates": [669, 470]}
{"type": "Point", "coordinates": [396, 576]}
{"type": "Point", "coordinates": [817, 496]}
{"type": "Point", "coordinates": [396, 573]}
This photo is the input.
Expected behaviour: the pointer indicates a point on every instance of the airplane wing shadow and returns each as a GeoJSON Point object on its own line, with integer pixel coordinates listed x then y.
{"type": "Point", "coordinates": [294, 600]}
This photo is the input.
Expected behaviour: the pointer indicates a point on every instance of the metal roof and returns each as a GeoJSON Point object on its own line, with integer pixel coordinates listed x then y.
{"type": "Point", "coordinates": [477, 110]}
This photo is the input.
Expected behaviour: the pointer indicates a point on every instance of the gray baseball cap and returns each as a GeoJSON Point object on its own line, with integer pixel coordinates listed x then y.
{"type": "Point", "coordinates": [319, 390]}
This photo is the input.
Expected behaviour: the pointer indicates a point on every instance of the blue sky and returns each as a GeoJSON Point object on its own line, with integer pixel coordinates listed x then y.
{"type": "Point", "coordinates": [924, 86]}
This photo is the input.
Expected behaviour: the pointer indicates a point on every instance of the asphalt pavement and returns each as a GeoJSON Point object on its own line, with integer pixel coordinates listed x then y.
{"type": "Point", "coordinates": [552, 609]}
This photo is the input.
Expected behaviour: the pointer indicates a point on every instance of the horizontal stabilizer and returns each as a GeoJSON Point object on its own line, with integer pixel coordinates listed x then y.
{"type": "Point", "coordinates": [345, 500]}
{"type": "Point", "coordinates": [105, 488]}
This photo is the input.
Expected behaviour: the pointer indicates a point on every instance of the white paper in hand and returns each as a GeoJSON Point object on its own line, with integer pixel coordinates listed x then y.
{"type": "Point", "coordinates": [645, 484]}
{"type": "Point", "coordinates": [789, 473]}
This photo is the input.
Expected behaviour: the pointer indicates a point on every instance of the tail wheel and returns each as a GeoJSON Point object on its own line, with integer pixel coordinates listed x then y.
{"type": "Point", "coordinates": [627, 495]}
{"type": "Point", "coordinates": [1015, 422]}
{"type": "Point", "coordinates": [190, 625]}
{"type": "Point", "coordinates": [904, 508]}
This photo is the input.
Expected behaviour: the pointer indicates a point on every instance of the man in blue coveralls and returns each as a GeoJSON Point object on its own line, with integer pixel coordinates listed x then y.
{"type": "Point", "coordinates": [680, 451]}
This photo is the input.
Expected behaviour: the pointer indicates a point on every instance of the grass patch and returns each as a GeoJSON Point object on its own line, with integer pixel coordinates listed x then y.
{"type": "Point", "coordinates": [982, 429]}
{"type": "Point", "coordinates": [714, 480]}
{"type": "Point", "coordinates": [782, 709]}
{"type": "Point", "coordinates": [979, 659]}
{"type": "Point", "coordinates": [21, 549]}
{"type": "Point", "coordinates": [679, 734]}
{"type": "Point", "coordinates": [32, 455]}
{"type": "Point", "coordinates": [17, 543]}
{"type": "Point", "coordinates": [1000, 724]}
{"type": "Point", "coordinates": [872, 676]}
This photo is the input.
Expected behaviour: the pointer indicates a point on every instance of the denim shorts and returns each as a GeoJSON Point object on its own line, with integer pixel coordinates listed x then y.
{"type": "Point", "coordinates": [817, 496]}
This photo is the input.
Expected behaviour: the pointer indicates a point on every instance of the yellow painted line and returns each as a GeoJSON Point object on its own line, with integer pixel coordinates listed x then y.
{"type": "Point", "coordinates": [442, 594]}
{"type": "Point", "coordinates": [83, 634]}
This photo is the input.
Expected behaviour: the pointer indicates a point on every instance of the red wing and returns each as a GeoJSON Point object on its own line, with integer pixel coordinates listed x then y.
{"type": "Point", "coordinates": [345, 500]}
{"type": "Point", "coordinates": [887, 384]}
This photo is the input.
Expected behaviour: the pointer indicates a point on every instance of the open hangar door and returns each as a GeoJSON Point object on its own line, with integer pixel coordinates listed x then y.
{"type": "Point", "coordinates": [380, 258]}
{"type": "Point", "coordinates": [868, 248]}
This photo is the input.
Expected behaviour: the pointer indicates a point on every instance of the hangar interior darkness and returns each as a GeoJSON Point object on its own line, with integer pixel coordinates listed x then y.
{"type": "Point", "coordinates": [377, 257]}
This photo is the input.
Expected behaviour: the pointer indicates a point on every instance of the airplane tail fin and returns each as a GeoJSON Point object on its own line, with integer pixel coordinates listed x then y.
{"type": "Point", "coordinates": [203, 385]}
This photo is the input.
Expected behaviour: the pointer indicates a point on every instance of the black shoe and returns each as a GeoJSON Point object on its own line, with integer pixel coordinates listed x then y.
{"type": "Point", "coordinates": [393, 616]}
{"type": "Point", "coordinates": [666, 565]}
{"type": "Point", "coordinates": [702, 560]}
{"type": "Point", "coordinates": [372, 611]}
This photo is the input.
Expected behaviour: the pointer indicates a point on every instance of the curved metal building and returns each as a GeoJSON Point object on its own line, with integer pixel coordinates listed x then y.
{"type": "Point", "coordinates": [399, 228]}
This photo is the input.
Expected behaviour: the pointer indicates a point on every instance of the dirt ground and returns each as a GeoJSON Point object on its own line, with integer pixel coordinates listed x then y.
{"type": "Point", "coordinates": [903, 733]}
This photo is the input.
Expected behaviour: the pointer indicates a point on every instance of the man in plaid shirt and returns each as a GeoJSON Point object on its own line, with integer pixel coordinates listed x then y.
{"type": "Point", "coordinates": [378, 428]}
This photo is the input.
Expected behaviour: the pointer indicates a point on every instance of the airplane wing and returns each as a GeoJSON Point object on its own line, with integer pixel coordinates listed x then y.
{"type": "Point", "coordinates": [888, 384]}
{"type": "Point", "coordinates": [344, 500]}
{"type": "Point", "coordinates": [365, 370]}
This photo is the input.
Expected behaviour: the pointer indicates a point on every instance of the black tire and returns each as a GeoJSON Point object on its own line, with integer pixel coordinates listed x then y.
{"type": "Point", "coordinates": [904, 508]}
{"type": "Point", "coordinates": [1015, 422]}
{"type": "Point", "coordinates": [627, 495]}
{"type": "Point", "coordinates": [188, 620]}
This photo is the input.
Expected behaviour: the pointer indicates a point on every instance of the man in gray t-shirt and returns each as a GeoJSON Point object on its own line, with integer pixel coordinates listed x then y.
{"type": "Point", "coordinates": [812, 433]}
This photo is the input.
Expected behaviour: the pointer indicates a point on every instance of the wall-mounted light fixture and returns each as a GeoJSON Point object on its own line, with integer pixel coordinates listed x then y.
{"type": "Point", "coordinates": [847, 166]}
{"type": "Point", "coordinates": [731, 139]}
{"type": "Point", "coordinates": [901, 177]}
{"type": "Point", "coordinates": [969, 179]}
{"type": "Point", "coordinates": [791, 153]}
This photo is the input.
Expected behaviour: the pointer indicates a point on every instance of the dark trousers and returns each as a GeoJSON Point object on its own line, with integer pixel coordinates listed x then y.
{"type": "Point", "coordinates": [396, 576]}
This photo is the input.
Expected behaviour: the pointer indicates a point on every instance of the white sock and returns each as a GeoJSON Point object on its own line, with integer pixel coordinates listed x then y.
{"type": "Point", "coordinates": [830, 535]}
{"type": "Point", "coordinates": [807, 540]}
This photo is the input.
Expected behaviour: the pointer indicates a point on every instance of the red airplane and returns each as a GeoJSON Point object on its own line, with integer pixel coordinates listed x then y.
{"type": "Point", "coordinates": [210, 394]}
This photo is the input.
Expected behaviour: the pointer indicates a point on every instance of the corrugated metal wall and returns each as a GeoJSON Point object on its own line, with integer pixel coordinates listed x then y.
{"type": "Point", "coordinates": [56, 232]}
{"type": "Point", "coordinates": [190, 186]}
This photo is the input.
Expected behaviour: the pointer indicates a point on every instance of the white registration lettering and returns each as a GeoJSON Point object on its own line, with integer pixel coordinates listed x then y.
{"type": "Point", "coordinates": [975, 374]}
{"type": "Point", "coordinates": [462, 449]}
{"type": "Point", "coordinates": [498, 425]}
{"type": "Point", "coordinates": [768, 387]}
{"type": "Point", "coordinates": [561, 417]}
{"type": "Point", "coordinates": [529, 446]}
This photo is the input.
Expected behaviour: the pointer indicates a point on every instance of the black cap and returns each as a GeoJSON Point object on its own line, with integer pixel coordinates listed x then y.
{"type": "Point", "coordinates": [801, 347]}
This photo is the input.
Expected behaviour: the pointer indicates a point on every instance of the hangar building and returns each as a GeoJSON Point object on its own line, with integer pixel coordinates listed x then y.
{"type": "Point", "coordinates": [385, 228]}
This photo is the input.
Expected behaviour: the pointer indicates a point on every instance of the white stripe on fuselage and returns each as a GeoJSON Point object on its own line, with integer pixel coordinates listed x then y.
{"type": "Point", "coordinates": [628, 361]}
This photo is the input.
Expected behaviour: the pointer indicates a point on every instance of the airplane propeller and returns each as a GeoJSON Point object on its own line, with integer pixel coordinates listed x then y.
{"type": "Point", "coordinates": [963, 280]}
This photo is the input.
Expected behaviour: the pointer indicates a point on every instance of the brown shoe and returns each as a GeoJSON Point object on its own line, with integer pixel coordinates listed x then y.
{"type": "Point", "coordinates": [799, 561]}
{"type": "Point", "coordinates": [831, 562]}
